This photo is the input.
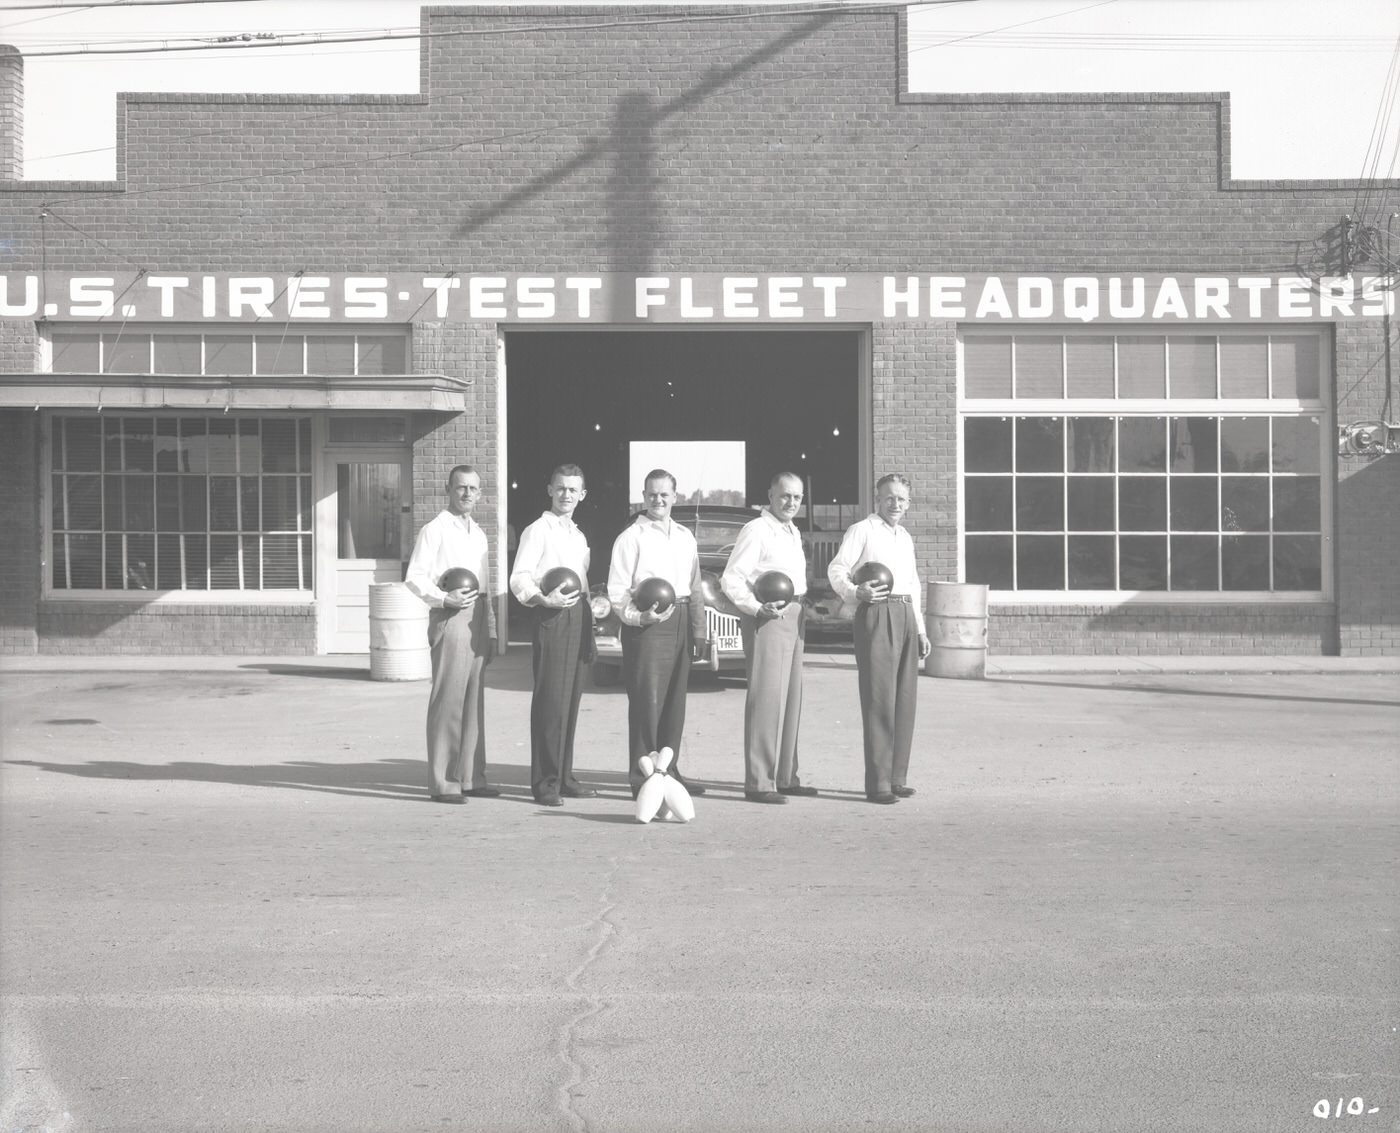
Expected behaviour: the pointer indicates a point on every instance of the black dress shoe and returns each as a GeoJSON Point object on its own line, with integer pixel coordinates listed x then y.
{"type": "Point", "coordinates": [903, 792]}
{"type": "Point", "coordinates": [691, 786]}
{"type": "Point", "coordinates": [884, 799]}
{"type": "Point", "coordinates": [797, 789]}
{"type": "Point", "coordinates": [484, 792]}
{"type": "Point", "coordinates": [765, 797]}
{"type": "Point", "coordinates": [579, 792]}
{"type": "Point", "coordinates": [550, 800]}
{"type": "Point", "coordinates": [458, 799]}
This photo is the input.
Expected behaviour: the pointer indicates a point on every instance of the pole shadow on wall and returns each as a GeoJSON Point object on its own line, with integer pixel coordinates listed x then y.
{"type": "Point", "coordinates": [634, 208]}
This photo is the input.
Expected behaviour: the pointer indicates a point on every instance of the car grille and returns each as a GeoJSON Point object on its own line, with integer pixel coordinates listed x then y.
{"type": "Point", "coordinates": [719, 625]}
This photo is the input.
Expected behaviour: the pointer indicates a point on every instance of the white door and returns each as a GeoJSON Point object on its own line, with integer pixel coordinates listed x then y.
{"type": "Point", "coordinates": [373, 509]}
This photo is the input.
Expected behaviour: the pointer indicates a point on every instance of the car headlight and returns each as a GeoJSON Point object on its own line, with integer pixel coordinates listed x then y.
{"type": "Point", "coordinates": [600, 606]}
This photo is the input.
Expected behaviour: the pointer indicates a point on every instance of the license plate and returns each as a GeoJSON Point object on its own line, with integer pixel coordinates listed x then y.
{"type": "Point", "coordinates": [729, 644]}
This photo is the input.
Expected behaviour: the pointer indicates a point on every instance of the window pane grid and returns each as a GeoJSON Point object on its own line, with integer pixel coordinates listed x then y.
{"type": "Point", "coordinates": [1181, 462]}
{"type": "Point", "coordinates": [230, 351]}
{"type": "Point", "coordinates": [166, 503]}
{"type": "Point", "coordinates": [1040, 512]}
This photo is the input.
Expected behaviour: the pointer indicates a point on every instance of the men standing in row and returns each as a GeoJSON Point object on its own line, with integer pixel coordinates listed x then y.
{"type": "Point", "coordinates": [561, 638]}
{"type": "Point", "coordinates": [656, 647]}
{"type": "Point", "coordinates": [773, 643]}
{"type": "Point", "coordinates": [461, 640]}
{"type": "Point", "coordinates": [890, 639]}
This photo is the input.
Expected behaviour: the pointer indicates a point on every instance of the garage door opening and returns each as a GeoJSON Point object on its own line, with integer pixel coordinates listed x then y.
{"type": "Point", "coordinates": [790, 398]}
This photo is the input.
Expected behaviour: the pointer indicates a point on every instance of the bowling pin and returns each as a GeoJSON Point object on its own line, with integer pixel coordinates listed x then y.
{"type": "Point", "coordinates": [653, 792]}
{"type": "Point", "coordinates": [663, 759]}
{"type": "Point", "coordinates": [678, 799]}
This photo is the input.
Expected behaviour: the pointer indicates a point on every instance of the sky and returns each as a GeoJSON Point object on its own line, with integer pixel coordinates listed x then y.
{"type": "Point", "coordinates": [1313, 84]}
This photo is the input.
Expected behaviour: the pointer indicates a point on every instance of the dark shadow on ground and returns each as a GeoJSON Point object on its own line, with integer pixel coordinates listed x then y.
{"type": "Point", "coordinates": [402, 780]}
{"type": "Point", "coordinates": [334, 672]}
{"type": "Point", "coordinates": [396, 780]}
{"type": "Point", "coordinates": [1216, 692]}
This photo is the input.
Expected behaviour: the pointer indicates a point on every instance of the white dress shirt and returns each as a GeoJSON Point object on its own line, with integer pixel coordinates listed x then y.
{"type": "Point", "coordinates": [551, 541]}
{"type": "Point", "coordinates": [651, 549]}
{"type": "Point", "coordinates": [450, 540]}
{"type": "Point", "coordinates": [872, 540]}
{"type": "Point", "coordinates": [764, 544]}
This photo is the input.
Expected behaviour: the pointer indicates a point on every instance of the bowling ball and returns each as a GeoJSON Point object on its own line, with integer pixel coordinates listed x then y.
{"type": "Point", "coordinates": [560, 576]}
{"type": "Point", "coordinates": [654, 594]}
{"type": "Point", "coordinates": [458, 578]}
{"type": "Point", "coordinates": [877, 573]}
{"type": "Point", "coordinates": [773, 586]}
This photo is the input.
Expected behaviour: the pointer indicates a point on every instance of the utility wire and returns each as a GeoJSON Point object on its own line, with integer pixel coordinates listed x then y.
{"type": "Point", "coordinates": [248, 40]}
{"type": "Point", "coordinates": [118, 4]}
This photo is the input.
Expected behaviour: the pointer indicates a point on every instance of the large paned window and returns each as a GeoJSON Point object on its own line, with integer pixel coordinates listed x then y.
{"type": "Point", "coordinates": [230, 351]}
{"type": "Point", "coordinates": [180, 503]}
{"type": "Point", "coordinates": [1145, 462]}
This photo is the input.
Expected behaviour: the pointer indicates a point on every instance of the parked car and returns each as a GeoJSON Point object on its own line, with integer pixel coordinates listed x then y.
{"type": "Point", "coordinates": [715, 528]}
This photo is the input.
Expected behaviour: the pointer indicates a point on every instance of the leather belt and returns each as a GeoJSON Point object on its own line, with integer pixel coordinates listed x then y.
{"type": "Point", "coordinates": [907, 599]}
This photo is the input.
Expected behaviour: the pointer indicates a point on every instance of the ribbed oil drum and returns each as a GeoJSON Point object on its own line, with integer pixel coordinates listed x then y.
{"type": "Point", "coordinates": [398, 634]}
{"type": "Point", "coordinates": [957, 630]}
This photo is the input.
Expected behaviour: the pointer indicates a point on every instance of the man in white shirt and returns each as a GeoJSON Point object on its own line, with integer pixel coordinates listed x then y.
{"type": "Point", "coordinates": [561, 638]}
{"type": "Point", "coordinates": [773, 643]}
{"type": "Point", "coordinates": [461, 640]}
{"type": "Point", "coordinates": [656, 648]}
{"type": "Point", "coordinates": [890, 638]}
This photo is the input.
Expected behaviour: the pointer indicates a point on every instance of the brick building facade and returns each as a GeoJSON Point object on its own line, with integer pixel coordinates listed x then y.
{"type": "Point", "coordinates": [368, 261]}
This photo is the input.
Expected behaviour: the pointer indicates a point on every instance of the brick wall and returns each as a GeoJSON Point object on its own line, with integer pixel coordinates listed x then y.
{"type": "Point", "coordinates": [11, 113]}
{"type": "Point", "coordinates": [189, 629]}
{"type": "Point", "coordinates": [19, 520]}
{"type": "Point", "coordinates": [1227, 630]}
{"type": "Point", "coordinates": [1368, 503]}
{"type": "Point", "coordinates": [607, 140]}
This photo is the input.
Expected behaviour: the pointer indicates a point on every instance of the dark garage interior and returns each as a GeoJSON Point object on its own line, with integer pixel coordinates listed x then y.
{"type": "Point", "coordinates": [582, 397]}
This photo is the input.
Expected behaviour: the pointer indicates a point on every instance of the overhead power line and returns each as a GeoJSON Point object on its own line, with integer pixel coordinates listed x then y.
{"type": "Point", "coordinates": [118, 4]}
{"type": "Point", "coordinates": [250, 40]}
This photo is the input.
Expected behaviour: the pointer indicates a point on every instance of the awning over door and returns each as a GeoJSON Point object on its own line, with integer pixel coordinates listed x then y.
{"type": "Point", "coordinates": [436, 392]}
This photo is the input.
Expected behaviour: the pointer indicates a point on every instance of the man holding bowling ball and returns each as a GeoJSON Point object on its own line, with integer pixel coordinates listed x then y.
{"type": "Point", "coordinates": [451, 549]}
{"type": "Point", "coordinates": [561, 637]}
{"type": "Point", "coordinates": [890, 639]}
{"type": "Point", "coordinates": [658, 636]}
{"type": "Point", "coordinates": [773, 634]}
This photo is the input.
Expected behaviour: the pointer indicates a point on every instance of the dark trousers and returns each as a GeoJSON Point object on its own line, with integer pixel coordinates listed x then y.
{"type": "Point", "coordinates": [773, 705]}
{"type": "Point", "coordinates": [656, 668]}
{"type": "Point", "coordinates": [457, 702]}
{"type": "Point", "coordinates": [887, 657]}
{"type": "Point", "coordinates": [556, 648]}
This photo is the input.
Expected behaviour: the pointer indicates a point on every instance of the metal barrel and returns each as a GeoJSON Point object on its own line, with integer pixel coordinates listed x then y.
{"type": "Point", "coordinates": [957, 630]}
{"type": "Point", "coordinates": [398, 634]}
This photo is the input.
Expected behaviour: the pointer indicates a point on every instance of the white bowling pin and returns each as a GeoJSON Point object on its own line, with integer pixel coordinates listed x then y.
{"type": "Point", "coordinates": [663, 759]}
{"type": "Point", "coordinates": [678, 799]}
{"type": "Point", "coordinates": [653, 792]}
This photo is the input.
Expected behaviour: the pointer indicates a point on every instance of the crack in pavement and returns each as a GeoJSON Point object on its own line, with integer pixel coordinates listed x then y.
{"type": "Point", "coordinates": [566, 1040]}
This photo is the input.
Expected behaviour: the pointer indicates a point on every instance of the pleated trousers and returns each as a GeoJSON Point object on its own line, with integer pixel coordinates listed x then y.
{"type": "Point", "coordinates": [556, 647]}
{"type": "Point", "coordinates": [887, 661]}
{"type": "Point", "coordinates": [773, 706]}
{"type": "Point", "coordinates": [656, 669]}
{"type": "Point", "coordinates": [457, 702]}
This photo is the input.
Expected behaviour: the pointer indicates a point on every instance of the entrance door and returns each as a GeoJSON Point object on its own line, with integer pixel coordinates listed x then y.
{"type": "Point", "coordinates": [373, 506]}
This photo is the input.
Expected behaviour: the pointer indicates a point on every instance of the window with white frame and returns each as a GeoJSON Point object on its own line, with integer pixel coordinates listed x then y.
{"type": "Point", "coordinates": [180, 503]}
{"type": "Point", "coordinates": [143, 503]}
{"type": "Point", "coordinates": [1142, 462]}
{"type": "Point", "coordinates": [231, 350]}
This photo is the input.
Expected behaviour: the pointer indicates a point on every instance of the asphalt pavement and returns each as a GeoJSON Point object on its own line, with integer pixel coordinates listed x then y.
{"type": "Point", "coordinates": [1130, 894]}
